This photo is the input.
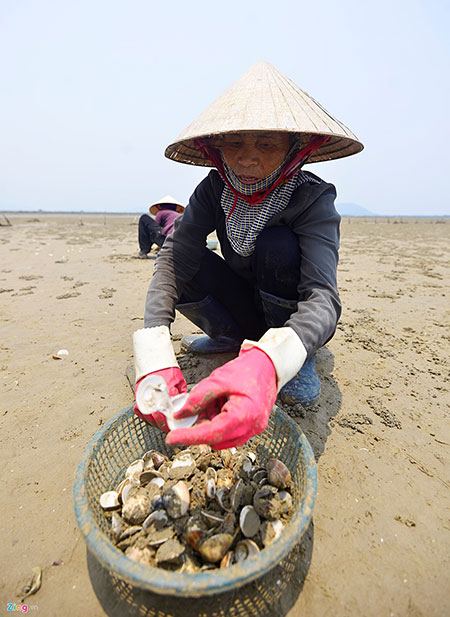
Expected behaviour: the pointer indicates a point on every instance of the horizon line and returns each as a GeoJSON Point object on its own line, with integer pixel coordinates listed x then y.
{"type": "Point", "coordinates": [105, 212]}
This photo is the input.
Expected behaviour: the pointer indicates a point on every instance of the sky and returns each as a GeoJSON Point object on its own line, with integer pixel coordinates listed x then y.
{"type": "Point", "coordinates": [92, 92]}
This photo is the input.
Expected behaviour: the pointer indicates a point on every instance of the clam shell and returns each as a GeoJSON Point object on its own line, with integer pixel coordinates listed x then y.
{"type": "Point", "coordinates": [153, 395]}
{"type": "Point", "coordinates": [153, 492]}
{"type": "Point", "coordinates": [140, 555]}
{"type": "Point", "coordinates": [252, 457]}
{"type": "Point", "coordinates": [164, 469]}
{"type": "Point", "coordinates": [195, 523]}
{"type": "Point", "coordinates": [110, 500]}
{"type": "Point", "coordinates": [212, 519]}
{"type": "Point", "coordinates": [134, 469]}
{"type": "Point", "coordinates": [183, 466]}
{"type": "Point", "coordinates": [158, 458]}
{"type": "Point", "coordinates": [130, 531]}
{"type": "Point", "coordinates": [199, 450]}
{"type": "Point", "coordinates": [223, 499]}
{"type": "Point", "coordinates": [189, 565]}
{"type": "Point", "coordinates": [259, 475]}
{"type": "Point", "coordinates": [271, 531]}
{"type": "Point", "coordinates": [120, 486]}
{"type": "Point", "coordinates": [195, 538]}
{"type": "Point", "coordinates": [136, 509]}
{"type": "Point", "coordinates": [210, 482]}
{"type": "Point", "coordinates": [176, 500]}
{"type": "Point", "coordinates": [215, 547]}
{"type": "Point", "coordinates": [249, 521]}
{"type": "Point", "coordinates": [278, 474]}
{"type": "Point", "coordinates": [245, 549]}
{"type": "Point", "coordinates": [236, 494]}
{"type": "Point", "coordinates": [159, 536]}
{"type": "Point", "coordinates": [177, 402]}
{"type": "Point", "coordinates": [229, 523]}
{"type": "Point", "coordinates": [147, 460]}
{"type": "Point", "coordinates": [159, 482]}
{"type": "Point", "coordinates": [148, 475]}
{"type": "Point", "coordinates": [117, 524]}
{"type": "Point", "coordinates": [158, 517]}
{"type": "Point", "coordinates": [169, 552]}
{"type": "Point", "coordinates": [266, 502]}
{"type": "Point", "coordinates": [226, 457]}
{"type": "Point", "coordinates": [286, 501]}
{"type": "Point", "coordinates": [128, 489]}
{"type": "Point", "coordinates": [227, 560]}
{"type": "Point", "coordinates": [246, 465]}
{"type": "Point", "coordinates": [153, 459]}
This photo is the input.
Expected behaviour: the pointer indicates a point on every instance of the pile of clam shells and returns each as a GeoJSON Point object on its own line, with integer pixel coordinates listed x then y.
{"type": "Point", "coordinates": [199, 510]}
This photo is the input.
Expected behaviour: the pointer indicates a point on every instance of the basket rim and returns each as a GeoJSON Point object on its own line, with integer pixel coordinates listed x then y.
{"type": "Point", "coordinates": [205, 583]}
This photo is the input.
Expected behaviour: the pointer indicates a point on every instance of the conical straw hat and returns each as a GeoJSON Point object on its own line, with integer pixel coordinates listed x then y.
{"type": "Point", "coordinates": [167, 200]}
{"type": "Point", "coordinates": [263, 99]}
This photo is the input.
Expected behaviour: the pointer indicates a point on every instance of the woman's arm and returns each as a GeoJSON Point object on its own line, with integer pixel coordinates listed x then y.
{"type": "Point", "coordinates": [313, 218]}
{"type": "Point", "coordinates": [319, 305]}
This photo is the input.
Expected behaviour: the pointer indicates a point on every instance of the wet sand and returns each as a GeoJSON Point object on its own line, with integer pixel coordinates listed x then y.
{"type": "Point", "coordinates": [380, 431]}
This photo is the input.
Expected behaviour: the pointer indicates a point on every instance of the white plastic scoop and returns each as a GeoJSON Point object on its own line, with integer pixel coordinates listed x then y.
{"type": "Point", "coordinates": [153, 395]}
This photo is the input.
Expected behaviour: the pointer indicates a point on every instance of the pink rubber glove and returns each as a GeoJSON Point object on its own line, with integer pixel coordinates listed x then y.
{"type": "Point", "coordinates": [234, 403]}
{"type": "Point", "coordinates": [175, 384]}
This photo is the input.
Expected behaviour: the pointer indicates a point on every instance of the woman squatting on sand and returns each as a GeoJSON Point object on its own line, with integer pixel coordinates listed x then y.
{"type": "Point", "coordinates": [273, 296]}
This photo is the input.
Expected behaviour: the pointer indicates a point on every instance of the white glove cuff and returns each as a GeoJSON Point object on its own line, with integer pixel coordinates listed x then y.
{"type": "Point", "coordinates": [153, 350]}
{"type": "Point", "coordinates": [284, 348]}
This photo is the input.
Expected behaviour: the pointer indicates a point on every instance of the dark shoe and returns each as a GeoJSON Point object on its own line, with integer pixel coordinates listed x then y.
{"type": "Point", "coordinates": [203, 344]}
{"type": "Point", "coordinates": [304, 388]}
{"type": "Point", "coordinates": [142, 255]}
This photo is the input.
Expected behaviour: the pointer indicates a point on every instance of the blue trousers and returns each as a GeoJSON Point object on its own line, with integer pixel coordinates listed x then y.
{"type": "Point", "coordinates": [275, 270]}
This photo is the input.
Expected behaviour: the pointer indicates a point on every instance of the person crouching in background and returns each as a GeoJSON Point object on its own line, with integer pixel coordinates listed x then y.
{"type": "Point", "coordinates": [154, 230]}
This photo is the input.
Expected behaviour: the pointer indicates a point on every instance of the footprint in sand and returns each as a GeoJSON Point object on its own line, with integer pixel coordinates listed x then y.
{"type": "Point", "coordinates": [387, 417]}
{"type": "Point", "coordinates": [107, 292]}
{"type": "Point", "coordinates": [25, 291]}
{"type": "Point", "coordinates": [74, 294]}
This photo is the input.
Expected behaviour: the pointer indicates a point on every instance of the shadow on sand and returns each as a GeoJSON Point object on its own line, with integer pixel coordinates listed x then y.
{"type": "Point", "coordinates": [314, 421]}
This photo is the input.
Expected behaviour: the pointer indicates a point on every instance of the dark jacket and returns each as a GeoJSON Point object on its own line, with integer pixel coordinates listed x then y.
{"type": "Point", "coordinates": [312, 217]}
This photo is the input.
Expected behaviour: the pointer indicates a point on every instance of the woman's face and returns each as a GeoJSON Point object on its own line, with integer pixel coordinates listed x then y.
{"type": "Point", "coordinates": [254, 156]}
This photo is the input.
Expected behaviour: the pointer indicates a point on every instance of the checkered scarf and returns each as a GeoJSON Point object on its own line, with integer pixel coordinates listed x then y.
{"type": "Point", "coordinates": [247, 221]}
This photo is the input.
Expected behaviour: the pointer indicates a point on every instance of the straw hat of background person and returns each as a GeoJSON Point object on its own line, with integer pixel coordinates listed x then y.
{"type": "Point", "coordinates": [263, 99]}
{"type": "Point", "coordinates": [166, 203]}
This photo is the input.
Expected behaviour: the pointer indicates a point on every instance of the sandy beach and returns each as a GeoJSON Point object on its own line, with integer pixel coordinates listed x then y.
{"type": "Point", "coordinates": [380, 540]}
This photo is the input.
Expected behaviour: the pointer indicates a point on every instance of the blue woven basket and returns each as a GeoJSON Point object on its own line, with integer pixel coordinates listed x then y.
{"type": "Point", "coordinates": [125, 438]}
